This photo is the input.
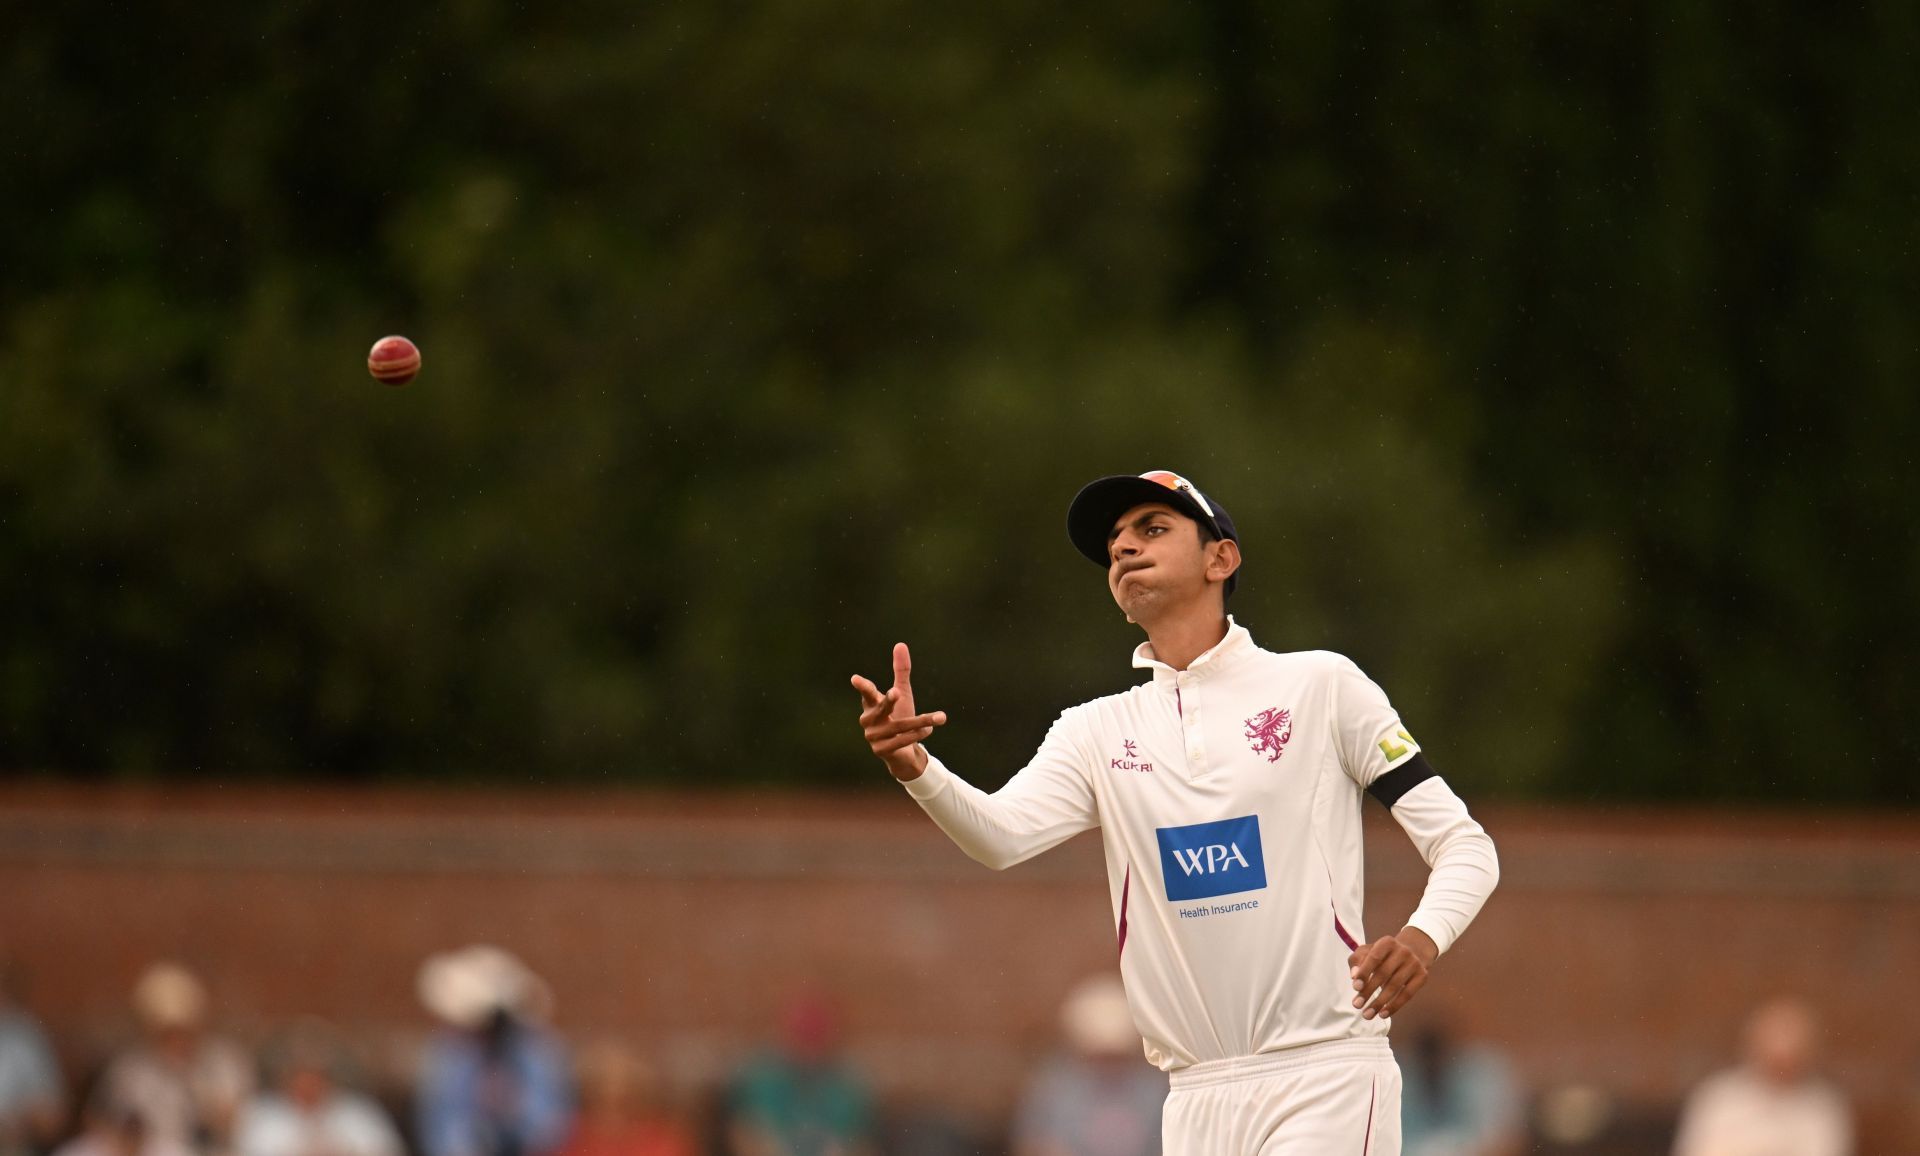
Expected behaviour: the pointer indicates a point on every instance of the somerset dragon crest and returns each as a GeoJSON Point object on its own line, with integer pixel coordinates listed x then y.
{"type": "Point", "coordinates": [1269, 731]}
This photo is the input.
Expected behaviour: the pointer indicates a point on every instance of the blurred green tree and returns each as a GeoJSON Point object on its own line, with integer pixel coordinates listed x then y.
{"type": "Point", "coordinates": [1554, 362]}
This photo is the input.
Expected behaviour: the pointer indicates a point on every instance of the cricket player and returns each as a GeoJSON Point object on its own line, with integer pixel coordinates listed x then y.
{"type": "Point", "coordinates": [1228, 794]}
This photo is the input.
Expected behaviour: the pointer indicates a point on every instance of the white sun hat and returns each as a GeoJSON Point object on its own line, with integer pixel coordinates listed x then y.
{"type": "Point", "coordinates": [466, 987]}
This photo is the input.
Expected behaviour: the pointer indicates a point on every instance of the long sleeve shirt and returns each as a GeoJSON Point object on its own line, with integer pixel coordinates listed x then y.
{"type": "Point", "coordinates": [1228, 796]}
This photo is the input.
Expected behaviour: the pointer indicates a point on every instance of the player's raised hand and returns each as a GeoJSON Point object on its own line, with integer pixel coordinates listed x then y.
{"type": "Point", "coordinates": [1390, 971]}
{"type": "Point", "coordinates": [888, 720]}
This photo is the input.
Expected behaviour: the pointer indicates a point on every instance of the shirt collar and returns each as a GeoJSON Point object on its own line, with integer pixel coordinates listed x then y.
{"type": "Point", "coordinates": [1236, 642]}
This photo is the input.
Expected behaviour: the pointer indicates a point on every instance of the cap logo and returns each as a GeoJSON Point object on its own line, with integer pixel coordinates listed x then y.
{"type": "Point", "coordinates": [1180, 485]}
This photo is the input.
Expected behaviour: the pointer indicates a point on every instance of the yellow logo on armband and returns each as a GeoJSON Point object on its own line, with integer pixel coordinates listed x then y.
{"type": "Point", "coordinates": [1394, 750]}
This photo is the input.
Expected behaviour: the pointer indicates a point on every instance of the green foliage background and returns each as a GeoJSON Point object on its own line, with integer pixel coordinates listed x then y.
{"type": "Point", "coordinates": [1558, 363]}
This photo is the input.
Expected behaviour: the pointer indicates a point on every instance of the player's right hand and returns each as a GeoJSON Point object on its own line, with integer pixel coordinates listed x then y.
{"type": "Point", "coordinates": [892, 728]}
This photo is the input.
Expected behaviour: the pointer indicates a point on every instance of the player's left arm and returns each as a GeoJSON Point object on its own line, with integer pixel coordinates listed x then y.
{"type": "Point", "coordinates": [1463, 869]}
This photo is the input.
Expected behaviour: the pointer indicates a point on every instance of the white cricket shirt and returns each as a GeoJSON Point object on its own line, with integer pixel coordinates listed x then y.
{"type": "Point", "coordinates": [1228, 797]}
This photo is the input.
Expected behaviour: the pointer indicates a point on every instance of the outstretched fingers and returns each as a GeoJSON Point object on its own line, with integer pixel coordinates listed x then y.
{"type": "Point", "coordinates": [901, 742]}
{"type": "Point", "coordinates": [874, 705]}
{"type": "Point", "coordinates": [869, 694]}
{"type": "Point", "coordinates": [885, 731]}
{"type": "Point", "coordinates": [902, 666]}
{"type": "Point", "coordinates": [889, 721]}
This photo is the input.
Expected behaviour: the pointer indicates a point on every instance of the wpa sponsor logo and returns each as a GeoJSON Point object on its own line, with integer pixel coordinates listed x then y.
{"type": "Point", "coordinates": [1208, 859]}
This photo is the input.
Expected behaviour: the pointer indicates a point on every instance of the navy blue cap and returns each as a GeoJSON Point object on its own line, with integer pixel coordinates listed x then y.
{"type": "Point", "coordinates": [1100, 503]}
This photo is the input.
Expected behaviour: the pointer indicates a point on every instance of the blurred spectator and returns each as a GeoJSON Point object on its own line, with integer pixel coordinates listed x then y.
{"type": "Point", "coordinates": [495, 1082]}
{"type": "Point", "coordinates": [1458, 1100]}
{"type": "Point", "coordinates": [622, 1111]}
{"type": "Point", "coordinates": [311, 1114]}
{"type": "Point", "coordinates": [801, 1100]}
{"type": "Point", "coordinates": [184, 1084]}
{"type": "Point", "coordinates": [32, 1095]}
{"type": "Point", "coordinates": [115, 1130]}
{"type": "Point", "coordinates": [1101, 1099]}
{"type": "Point", "coordinates": [1772, 1105]}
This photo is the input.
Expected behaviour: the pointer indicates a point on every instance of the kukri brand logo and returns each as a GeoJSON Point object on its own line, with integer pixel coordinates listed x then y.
{"type": "Point", "coordinates": [1208, 859]}
{"type": "Point", "coordinates": [1129, 761]}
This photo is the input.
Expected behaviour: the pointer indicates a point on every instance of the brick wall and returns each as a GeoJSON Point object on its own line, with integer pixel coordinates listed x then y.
{"type": "Point", "coordinates": [1622, 950]}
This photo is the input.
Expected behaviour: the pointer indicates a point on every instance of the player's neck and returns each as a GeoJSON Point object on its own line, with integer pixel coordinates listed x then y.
{"type": "Point", "coordinates": [1180, 639]}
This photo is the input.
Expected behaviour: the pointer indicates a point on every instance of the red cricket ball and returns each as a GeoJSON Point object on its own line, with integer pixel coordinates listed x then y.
{"type": "Point", "coordinates": [393, 360]}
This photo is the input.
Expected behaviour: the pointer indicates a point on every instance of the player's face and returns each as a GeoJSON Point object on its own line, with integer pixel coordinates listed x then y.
{"type": "Point", "coordinates": [1155, 560]}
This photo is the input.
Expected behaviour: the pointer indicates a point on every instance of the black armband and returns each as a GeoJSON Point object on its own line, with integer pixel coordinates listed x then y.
{"type": "Point", "coordinates": [1389, 787]}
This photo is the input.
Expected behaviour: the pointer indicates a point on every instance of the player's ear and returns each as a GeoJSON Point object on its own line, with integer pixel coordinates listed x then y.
{"type": "Point", "coordinates": [1225, 559]}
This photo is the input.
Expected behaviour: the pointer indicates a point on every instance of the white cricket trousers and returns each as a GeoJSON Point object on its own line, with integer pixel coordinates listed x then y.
{"type": "Point", "coordinates": [1339, 1098]}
